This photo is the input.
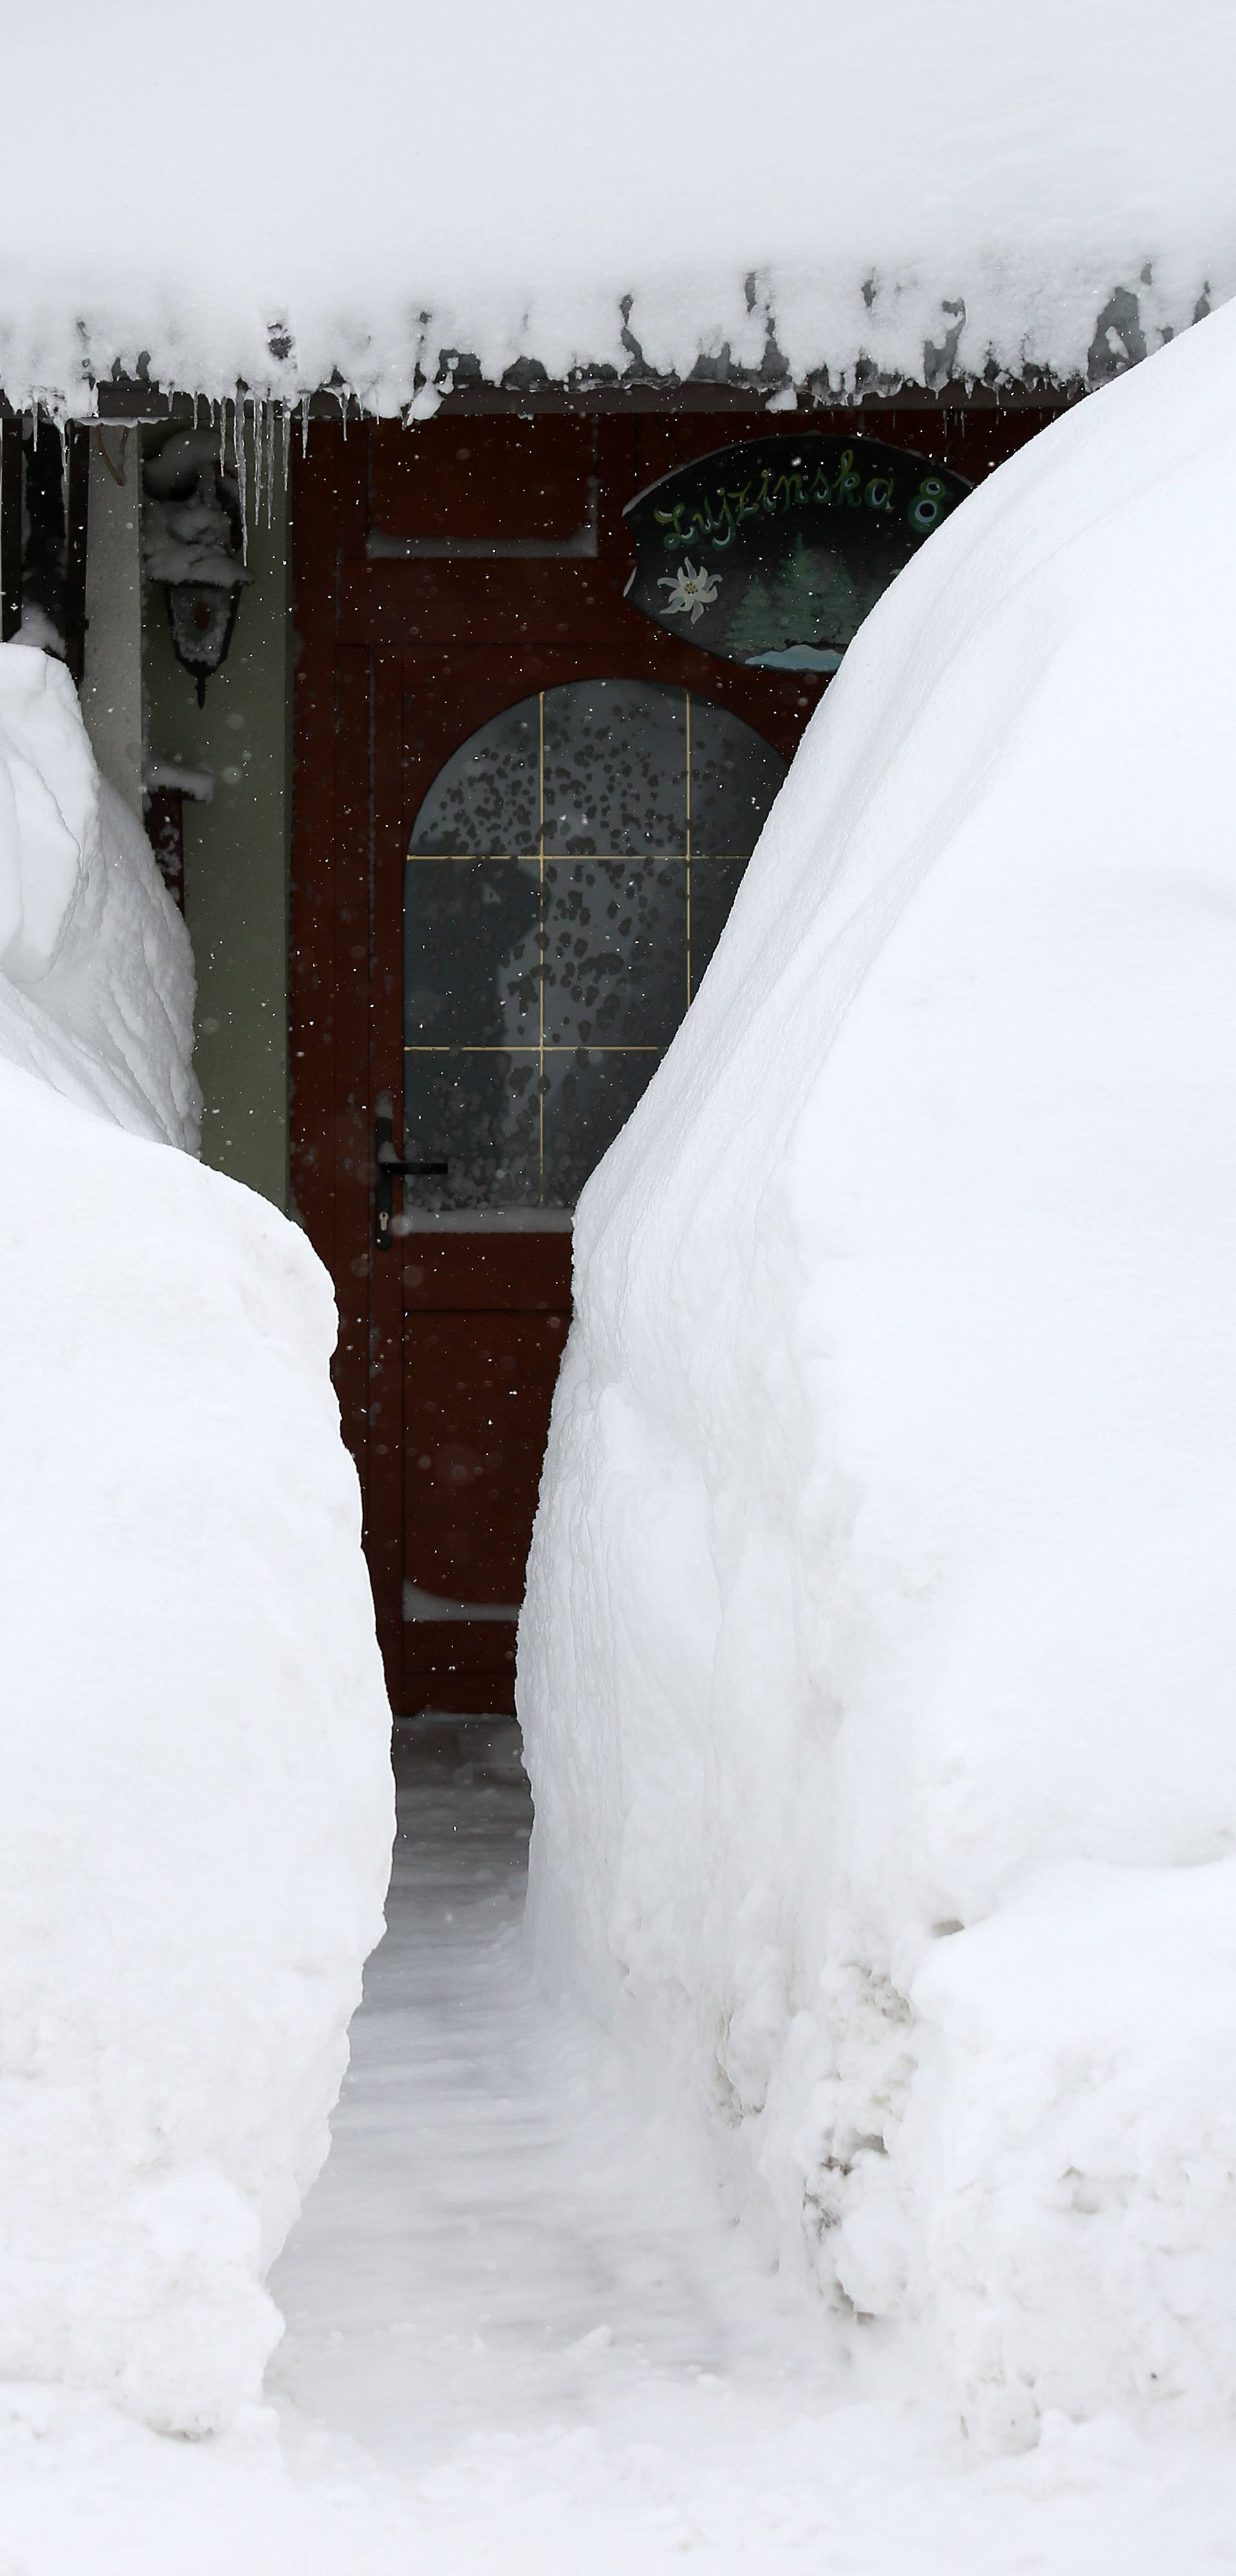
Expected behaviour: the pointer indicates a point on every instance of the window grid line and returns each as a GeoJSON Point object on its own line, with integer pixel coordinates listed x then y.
{"type": "Point", "coordinates": [576, 859]}
{"type": "Point", "coordinates": [556, 1046]}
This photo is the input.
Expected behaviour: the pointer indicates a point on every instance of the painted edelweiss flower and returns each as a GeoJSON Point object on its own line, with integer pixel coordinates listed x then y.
{"type": "Point", "coordinates": [690, 591]}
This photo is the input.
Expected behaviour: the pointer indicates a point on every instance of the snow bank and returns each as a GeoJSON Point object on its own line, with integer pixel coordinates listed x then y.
{"type": "Point", "coordinates": [96, 978]}
{"type": "Point", "coordinates": [194, 1786]}
{"type": "Point", "coordinates": [368, 198]}
{"type": "Point", "coordinates": [877, 1668]}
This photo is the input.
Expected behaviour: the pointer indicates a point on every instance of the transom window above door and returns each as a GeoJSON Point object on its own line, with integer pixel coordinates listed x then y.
{"type": "Point", "coordinates": [569, 874]}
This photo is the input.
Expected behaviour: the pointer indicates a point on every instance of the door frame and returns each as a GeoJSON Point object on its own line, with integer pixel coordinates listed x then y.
{"type": "Point", "coordinates": [353, 622]}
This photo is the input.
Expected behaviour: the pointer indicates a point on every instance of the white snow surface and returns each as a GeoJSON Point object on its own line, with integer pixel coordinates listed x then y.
{"type": "Point", "coordinates": [523, 2336]}
{"type": "Point", "coordinates": [917, 187]}
{"type": "Point", "coordinates": [877, 1662]}
{"type": "Point", "coordinates": [96, 976]}
{"type": "Point", "coordinates": [195, 1799]}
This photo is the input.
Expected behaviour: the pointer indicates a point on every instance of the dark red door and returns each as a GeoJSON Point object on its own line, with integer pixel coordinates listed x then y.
{"type": "Point", "coordinates": [521, 813]}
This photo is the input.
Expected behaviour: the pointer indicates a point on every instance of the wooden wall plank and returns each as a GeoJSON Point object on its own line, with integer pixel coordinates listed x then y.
{"type": "Point", "coordinates": [387, 1370]}
{"type": "Point", "coordinates": [501, 478]}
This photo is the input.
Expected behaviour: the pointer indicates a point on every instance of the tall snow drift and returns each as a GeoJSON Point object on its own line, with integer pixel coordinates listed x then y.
{"type": "Point", "coordinates": [96, 979]}
{"type": "Point", "coordinates": [194, 1786]}
{"type": "Point", "coordinates": [878, 1670]}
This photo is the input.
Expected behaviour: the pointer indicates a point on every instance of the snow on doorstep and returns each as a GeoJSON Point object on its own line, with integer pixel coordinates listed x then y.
{"type": "Point", "coordinates": [368, 197]}
{"type": "Point", "coordinates": [195, 1798]}
{"type": "Point", "coordinates": [877, 1665]}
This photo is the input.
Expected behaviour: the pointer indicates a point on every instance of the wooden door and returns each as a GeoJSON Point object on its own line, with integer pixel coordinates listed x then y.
{"type": "Point", "coordinates": [507, 879]}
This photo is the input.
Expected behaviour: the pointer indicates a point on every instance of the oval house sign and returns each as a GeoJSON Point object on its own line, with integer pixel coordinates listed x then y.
{"type": "Point", "coordinates": [772, 552]}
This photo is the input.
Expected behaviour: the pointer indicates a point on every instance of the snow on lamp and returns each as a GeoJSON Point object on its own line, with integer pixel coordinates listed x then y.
{"type": "Point", "coordinates": [195, 548]}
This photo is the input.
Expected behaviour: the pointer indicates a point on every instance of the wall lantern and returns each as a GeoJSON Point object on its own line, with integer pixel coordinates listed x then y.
{"type": "Point", "coordinates": [201, 617]}
{"type": "Point", "coordinates": [195, 548]}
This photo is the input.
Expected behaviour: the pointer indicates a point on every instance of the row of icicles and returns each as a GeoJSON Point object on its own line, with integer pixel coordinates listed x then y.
{"type": "Point", "coordinates": [255, 443]}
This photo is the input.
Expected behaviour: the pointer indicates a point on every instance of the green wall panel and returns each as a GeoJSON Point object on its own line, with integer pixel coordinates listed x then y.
{"type": "Point", "coordinates": [236, 860]}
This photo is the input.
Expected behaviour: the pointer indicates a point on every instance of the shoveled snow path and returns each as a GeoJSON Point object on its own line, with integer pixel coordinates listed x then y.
{"type": "Point", "coordinates": [498, 2241]}
{"type": "Point", "coordinates": [522, 2337]}
{"type": "Point", "coordinates": [515, 2291]}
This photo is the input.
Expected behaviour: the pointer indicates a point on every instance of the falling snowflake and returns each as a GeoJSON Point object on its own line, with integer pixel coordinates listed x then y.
{"type": "Point", "coordinates": [691, 591]}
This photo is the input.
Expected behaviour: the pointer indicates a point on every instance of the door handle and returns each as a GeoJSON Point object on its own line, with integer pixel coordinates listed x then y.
{"type": "Point", "coordinates": [389, 1167]}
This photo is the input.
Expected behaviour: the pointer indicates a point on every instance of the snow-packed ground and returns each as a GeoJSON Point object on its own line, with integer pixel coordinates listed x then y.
{"type": "Point", "coordinates": [522, 2336]}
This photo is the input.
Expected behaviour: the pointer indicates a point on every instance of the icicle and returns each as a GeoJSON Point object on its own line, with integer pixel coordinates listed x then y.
{"type": "Point", "coordinates": [304, 422]}
{"type": "Point", "coordinates": [242, 479]}
{"type": "Point", "coordinates": [271, 417]}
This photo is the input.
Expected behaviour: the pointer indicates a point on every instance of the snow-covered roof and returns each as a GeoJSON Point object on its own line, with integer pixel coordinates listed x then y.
{"type": "Point", "coordinates": [388, 198]}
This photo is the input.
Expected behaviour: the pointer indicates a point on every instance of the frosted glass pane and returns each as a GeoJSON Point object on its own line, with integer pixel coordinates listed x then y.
{"type": "Point", "coordinates": [735, 775]}
{"type": "Point", "coordinates": [472, 958]}
{"type": "Point", "coordinates": [714, 884]}
{"type": "Point", "coordinates": [587, 1099]}
{"type": "Point", "coordinates": [615, 951]}
{"type": "Point", "coordinates": [615, 769]}
{"type": "Point", "coordinates": [549, 925]}
{"type": "Point", "coordinates": [480, 1114]}
{"type": "Point", "coordinates": [487, 800]}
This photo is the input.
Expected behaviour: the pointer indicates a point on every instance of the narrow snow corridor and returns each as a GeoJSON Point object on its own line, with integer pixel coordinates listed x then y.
{"type": "Point", "coordinates": [498, 2240]}
{"type": "Point", "coordinates": [524, 2341]}
{"type": "Point", "coordinates": [523, 2333]}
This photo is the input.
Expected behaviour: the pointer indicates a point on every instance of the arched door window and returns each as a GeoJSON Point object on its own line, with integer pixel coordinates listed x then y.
{"type": "Point", "coordinates": [568, 876]}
